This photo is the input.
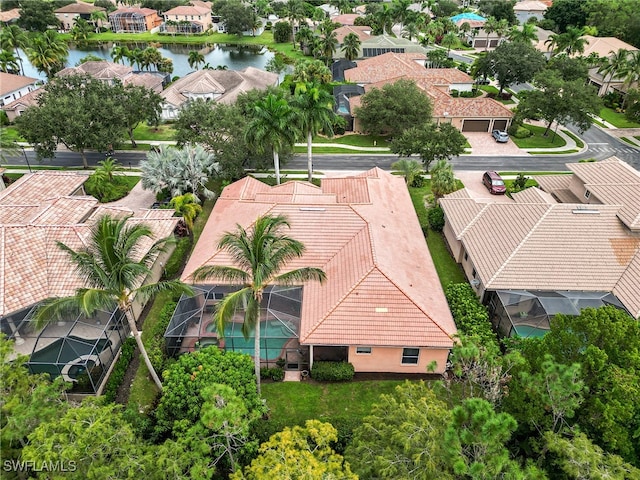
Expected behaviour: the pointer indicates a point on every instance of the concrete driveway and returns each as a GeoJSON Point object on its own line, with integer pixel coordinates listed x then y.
{"type": "Point", "coordinates": [482, 143]}
{"type": "Point", "coordinates": [472, 180]}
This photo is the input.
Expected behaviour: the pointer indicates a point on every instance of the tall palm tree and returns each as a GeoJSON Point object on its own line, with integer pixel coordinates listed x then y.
{"type": "Point", "coordinates": [631, 72]}
{"type": "Point", "coordinates": [502, 29]}
{"type": "Point", "coordinates": [408, 168]}
{"type": "Point", "coordinates": [97, 18]}
{"type": "Point", "coordinates": [351, 46]}
{"type": "Point", "coordinates": [384, 16]}
{"type": "Point", "coordinates": [260, 256]}
{"type": "Point", "coordinates": [12, 37]}
{"type": "Point", "coordinates": [573, 40]}
{"type": "Point", "coordinates": [272, 125]}
{"type": "Point", "coordinates": [328, 42]}
{"type": "Point", "coordinates": [400, 11]}
{"type": "Point", "coordinates": [611, 65]}
{"type": "Point", "coordinates": [195, 59]}
{"type": "Point", "coordinates": [449, 40]}
{"type": "Point", "coordinates": [304, 37]}
{"type": "Point", "coordinates": [490, 26]}
{"type": "Point", "coordinates": [113, 266]}
{"type": "Point", "coordinates": [80, 31]}
{"type": "Point", "coordinates": [9, 62]}
{"type": "Point", "coordinates": [47, 52]}
{"type": "Point", "coordinates": [119, 53]}
{"type": "Point", "coordinates": [314, 109]}
{"type": "Point", "coordinates": [526, 34]}
{"type": "Point", "coordinates": [296, 12]}
{"type": "Point", "coordinates": [188, 207]}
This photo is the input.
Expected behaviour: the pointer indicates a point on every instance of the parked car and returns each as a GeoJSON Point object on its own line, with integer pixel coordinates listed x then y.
{"type": "Point", "coordinates": [494, 183]}
{"type": "Point", "coordinates": [500, 136]}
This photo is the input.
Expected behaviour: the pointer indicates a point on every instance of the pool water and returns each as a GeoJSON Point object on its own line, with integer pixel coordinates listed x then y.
{"type": "Point", "coordinates": [273, 337]}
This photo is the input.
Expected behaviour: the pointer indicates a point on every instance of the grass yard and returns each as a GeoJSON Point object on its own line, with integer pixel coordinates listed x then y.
{"type": "Point", "coordinates": [292, 403]}
{"type": "Point", "coordinates": [579, 143]}
{"type": "Point", "coordinates": [320, 150]}
{"type": "Point", "coordinates": [537, 140]}
{"type": "Point", "coordinates": [448, 270]}
{"type": "Point", "coordinates": [355, 140]}
{"type": "Point", "coordinates": [617, 119]}
{"type": "Point", "coordinates": [164, 132]}
{"type": "Point", "coordinates": [10, 134]}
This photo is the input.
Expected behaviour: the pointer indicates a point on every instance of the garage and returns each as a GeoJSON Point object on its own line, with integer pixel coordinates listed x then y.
{"type": "Point", "coordinates": [500, 125]}
{"type": "Point", "coordinates": [476, 125]}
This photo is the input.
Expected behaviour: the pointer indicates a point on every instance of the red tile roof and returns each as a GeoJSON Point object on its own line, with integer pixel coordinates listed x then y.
{"type": "Point", "coordinates": [375, 293]}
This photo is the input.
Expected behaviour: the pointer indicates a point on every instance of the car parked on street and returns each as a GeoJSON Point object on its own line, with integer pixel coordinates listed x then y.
{"type": "Point", "coordinates": [494, 183]}
{"type": "Point", "coordinates": [500, 136]}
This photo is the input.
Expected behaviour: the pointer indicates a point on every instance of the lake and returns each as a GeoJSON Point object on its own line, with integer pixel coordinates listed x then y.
{"type": "Point", "coordinates": [235, 57]}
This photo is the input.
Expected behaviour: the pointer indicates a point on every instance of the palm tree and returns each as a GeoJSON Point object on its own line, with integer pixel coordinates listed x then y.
{"type": "Point", "coordinates": [573, 40]}
{"type": "Point", "coordinates": [343, 6]}
{"type": "Point", "coordinates": [195, 59]}
{"type": "Point", "coordinates": [108, 168]}
{"type": "Point", "coordinates": [304, 37]}
{"type": "Point", "coordinates": [526, 34]}
{"type": "Point", "coordinates": [315, 114]}
{"type": "Point", "coordinates": [310, 71]}
{"type": "Point", "coordinates": [502, 29]}
{"type": "Point", "coordinates": [260, 254]}
{"type": "Point", "coordinates": [120, 52]}
{"type": "Point", "coordinates": [442, 179]}
{"type": "Point", "coordinates": [188, 207]}
{"type": "Point", "coordinates": [295, 9]}
{"type": "Point", "coordinates": [611, 65]}
{"type": "Point", "coordinates": [113, 266]}
{"type": "Point", "coordinates": [400, 9]}
{"type": "Point", "coordinates": [9, 62]}
{"type": "Point", "coordinates": [328, 42]}
{"type": "Point", "coordinates": [47, 52]}
{"type": "Point", "coordinates": [271, 125]}
{"type": "Point", "coordinates": [384, 16]}
{"type": "Point", "coordinates": [490, 26]}
{"type": "Point", "coordinates": [96, 18]}
{"type": "Point", "coordinates": [449, 40]}
{"type": "Point", "coordinates": [410, 31]}
{"type": "Point", "coordinates": [631, 72]}
{"type": "Point", "coordinates": [351, 46]}
{"type": "Point", "coordinates": [13, 37]}
{"type": "Point", "coordinates": [408, 168]}
{"type": "Point", "coordinates": [80, 31]}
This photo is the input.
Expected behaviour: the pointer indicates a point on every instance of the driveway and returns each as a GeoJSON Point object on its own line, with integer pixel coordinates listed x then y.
{"type": "Point", "coordinates": [472, 180]}
{"type": "Point", "coordinates": [482, 143]}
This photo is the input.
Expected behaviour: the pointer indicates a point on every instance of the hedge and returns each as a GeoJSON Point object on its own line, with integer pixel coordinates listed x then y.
{"type": "Point", "coordinates": [471, 317]}
{"type": "Point", "coordinates": [276, 374]}
{"type": "Point", "coordinates": [120, 369]}
{"type": "Point", "coordinates": [435, 217]}
{"type": "Point", "coordinates": [156, 344]}
{"type": "Point", "coordinates": [332, 371]}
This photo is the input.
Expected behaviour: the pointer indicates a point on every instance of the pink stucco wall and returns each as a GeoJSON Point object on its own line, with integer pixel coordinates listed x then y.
{"type": "Point", "coordinates": [389, 360]}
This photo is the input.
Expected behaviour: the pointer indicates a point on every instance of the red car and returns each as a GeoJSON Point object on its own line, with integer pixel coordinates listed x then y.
{"type": "Point", "coordinates": [494, 183]}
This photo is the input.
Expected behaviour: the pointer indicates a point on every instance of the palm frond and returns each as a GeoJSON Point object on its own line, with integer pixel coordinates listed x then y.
{"type": "Point", "coordinates": [145, 292]}
{"type": "Point", "coordinates": [56, 309]}
{"type": "Point", "coordinates": [251, 317]}
{"type": "Point", "coordinates": [227, 307]}
{"type": "Point", "coordinates": [222, 273]}
{"type": "Point", "coordinates": [301, 275]}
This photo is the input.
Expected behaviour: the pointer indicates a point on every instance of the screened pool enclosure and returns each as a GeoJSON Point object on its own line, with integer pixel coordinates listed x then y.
{"type": "Point", "coordinates": [526, 313]}
{"type": "Point", "coordinates": [192, 326]}
{"type": "Point", "coordinates": [79, 349]}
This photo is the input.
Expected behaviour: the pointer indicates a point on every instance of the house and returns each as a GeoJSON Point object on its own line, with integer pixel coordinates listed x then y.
{"type": "Point", "coordinates": [9, 16]}
{"type": "Point", "coordinates": [17, 107]}
{"type": "Point", "coordinates": [362, 32]}
{"type": "Point", "coordinates": [213, 85]}
{"type": "Point", "coordinates": [13, 87]}
{"type": "Point", "coordinates": [574, 244]}
{"type": "Point", "coordinates": [480, 114]}
{"type": "Point", "coordinates": [381, 308]}
{"type": "Point", "coordinates": [381, 44]}
{"type": "Point", "coordinates": [134, 20]}
{"type": "Point", "coordinates": [68, 14]}
{"type": "Point", "coordinates": [346, 19]}
{"type": "Point", "coordinates": [478, 38]}
{"type": "Point", "coordinates": [527, 9]}
{"type": "Point", "coordinates": [187, 19]}
{"type": "Point", "coordinates": [473, 19]}
{"type": "Point", "coordinates": [37, 211]}
{"type": "Point", "coordinates": [605, 47]}
{"type": "Point", "coordinates": [109, 72]}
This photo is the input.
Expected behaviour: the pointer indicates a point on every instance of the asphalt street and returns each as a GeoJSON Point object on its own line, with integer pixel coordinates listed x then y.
{"type": "Point", "coordinates": [600, 146]}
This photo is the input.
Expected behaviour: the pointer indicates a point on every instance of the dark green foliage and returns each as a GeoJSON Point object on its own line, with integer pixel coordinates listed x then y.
{"type": "Point", "coordinates": [176, 261]}
{"type": "Point", "coordinates": [332, 371]}
{"type": "Point", "coordinates": [282, 32]}
{"type": "Point", "coordinates": [108, 191]}
{"type": "Point", "coordinates": [180, 405]}
{"type": "Point", "coordinates": [566, 13]}
{"type": "Point", "coordinates": [471, 317]}
{"type": "Point", "coordinates": [418, 182]}
{"type": "Point", "coordinates": [120, 369]}
{"type": "Point", "coordinates": [37, 16]}
{"type": "Point", "coordinates": [519, 184]}
{"type": "Point", "coordinates": [435, 217]}
{"type": "Point", "coordinates": [520, 132]}
{"type": "Point", "coordinates": [156, 344]}
{"type": "Point", "coordinates": [276, 374]}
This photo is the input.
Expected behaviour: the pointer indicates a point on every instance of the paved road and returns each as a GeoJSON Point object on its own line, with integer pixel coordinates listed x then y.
{"type": "Point", "coordinates": [600, 146]}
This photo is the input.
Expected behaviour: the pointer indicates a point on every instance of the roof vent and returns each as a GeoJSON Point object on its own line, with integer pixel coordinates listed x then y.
{"type": "Point", "coordinates": [585, 211]}
{"type": "Point", "coordinates": [312, 209]}
{"type": "Point", "coordinates": [382, 310]}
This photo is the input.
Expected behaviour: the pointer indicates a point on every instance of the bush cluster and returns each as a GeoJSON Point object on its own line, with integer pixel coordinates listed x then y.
{"type": "Point", "coordinates": [177, 258]}
{"type": "Point", "coordinates": [120, 369]}
{"type": "Point", "coordinates": [156, 345]}
{"type": "Point", "coordinates": [107, 191]}
{"type": "Point", "coordinates": [435, 217]}
{"type": "Point", "coordinates": [332, 371]}
{"type": "Point", "coordinates": [471, 317]}
{"type": "Point", "coordinates": [276, 374]}
{"type": "Point", "coordinates": [522, 132]}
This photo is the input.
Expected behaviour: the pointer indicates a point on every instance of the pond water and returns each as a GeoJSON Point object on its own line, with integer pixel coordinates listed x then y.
{"type": "Point", "coordinates": [235, 57]}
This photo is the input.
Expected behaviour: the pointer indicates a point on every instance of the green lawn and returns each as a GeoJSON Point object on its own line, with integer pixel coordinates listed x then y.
{"type": "Point", "coordinates": [489, 89]}
{"type": "Point", "coordinates": [292, 403]}
{"type": "Point", "coordinates": [320, 150]}
{"type": "Point", "coordinates": [537, 140]}
{"type": "Point", "coordinates": [579, 143]}
{"type": "Point", "coordinates": [11, 134]}
{"type": "Point", "coordinates": [355, 140]}
{"type": "Point", "coordinates": [447, 268]}
{"type": "Point", "coordinates": [617, 119]}
{"type": "Point", "coordinates": [162, 132]}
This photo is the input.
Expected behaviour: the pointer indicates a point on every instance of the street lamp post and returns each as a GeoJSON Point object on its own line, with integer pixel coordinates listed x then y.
{"type": "Point", "coordinates": [26, 158]}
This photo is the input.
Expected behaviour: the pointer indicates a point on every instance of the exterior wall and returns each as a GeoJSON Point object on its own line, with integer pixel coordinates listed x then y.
{"type": "Point", "coordinates": [67, 20]}
{"type": "Point", "coordinates": [205, 20]}
{"type": "Point", "coordinates": [455, 245]}
{"type": "Point", "coordinates": [16, 94]}
{"type": "Point", "coordinates": [153, 21]}
{"type": "Point", "coordinates": [577, 188]}
{"type": "Point", "coordinates": [156, 273]}
{"type": "Point", "coordinates": [169, 112]}
{"type": "Point", "coordinates": [461, 87]}
{"type": "Point", "coordinates": [389, 360]}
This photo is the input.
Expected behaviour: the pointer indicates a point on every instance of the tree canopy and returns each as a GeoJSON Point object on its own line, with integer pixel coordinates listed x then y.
{"type": "Point", "coordinates": [512, 62]}
{"type": "Point", "coordinates": [431, 142]}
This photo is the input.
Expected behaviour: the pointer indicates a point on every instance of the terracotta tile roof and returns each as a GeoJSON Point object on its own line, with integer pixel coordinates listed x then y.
{"type": "Point", "coordinates": [550, 183]}
{"type": "Point", "coordinates": [628, 287]}
{"type": "Point", "coordinates": [374, 294]}
{"type": "Point", "coordinates": [532, 195]}
{"type": "Point", "coordinates": [383, 67]}
{"type": "Point", "coordinates": [145, 12]}
{"type": "Point", "coordinates": [226, 85]}
{"type": "Point", "coordinates": [361, 31]}
{"type": "Point", "coordinates": [461, 211]}
{"type": "Point", "coordinates": [36, 212]}
{"type": "Point", "coordinates": [25, 101]}
{"type": "Point", "coordinates": [100, 69]}
{"type": "Point", "coordinates": [11, 83]}
{"type": "Point", "coordinates": [603, 46]}
{"type": "Point", "coordinates": [10, 15]}
{"type": "Point", "coordinates": [80, 7]}
{"type": "Point", "coordinates": [530, 6]}
{"type": "Point", "coordinates": [148, 80]}
{"type": "Point", "coordinates": [188, 10]}
{"type": "Point", "coordinates": [345, 18]}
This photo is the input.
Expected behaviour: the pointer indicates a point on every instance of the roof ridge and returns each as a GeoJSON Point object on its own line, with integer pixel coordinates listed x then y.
{"type": "Point", "coordinates": [521, 244]}
{"type": "Point", "coordinates": [474, 219]}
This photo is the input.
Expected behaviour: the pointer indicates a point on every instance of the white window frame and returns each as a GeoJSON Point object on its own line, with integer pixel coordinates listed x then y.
{"type": "Point", "coordinates": [406, 356]}
{"type": "Point", "coordinates": [363, 350]}
{"type": "Point", "coordinates": [587, 194]}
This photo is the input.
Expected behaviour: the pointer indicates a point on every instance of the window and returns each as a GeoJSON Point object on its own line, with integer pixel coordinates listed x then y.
{"type": "Point", "coordinates": [587, 194]}
{"type": "Point", "coordinates": [474, 273]}
{"type": "Point", "coordinates": [410, 356]}
{"type": "Point", "coordinates": [466, 256]}
{"type": "Point", "coordinates": [363, 350]}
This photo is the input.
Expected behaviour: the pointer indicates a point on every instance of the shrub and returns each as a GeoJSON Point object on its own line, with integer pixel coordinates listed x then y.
{"type": "Point", "coordinates": [156, 345]}
{"type": "Point", "coordinates": [418, 182]}
{"type": "Point", "coordinates": [519, 184]}
{"type": "Point", "coordinates": [435, 217]}
{"type": "Point", "coordinates": [177, 258]}
{"type": "Point", "coordinates": [522, 132]}
{"type": "Point", "coordinates": [276, 374]}
{"type": "Point", "coordinates": [282, 32]}
{"type": "Point", "coordinates": [119, 370]}
{"type": "Point", "coordinates": [471, 317]}
{"type": "Point", "coordinates": [332, 371]}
